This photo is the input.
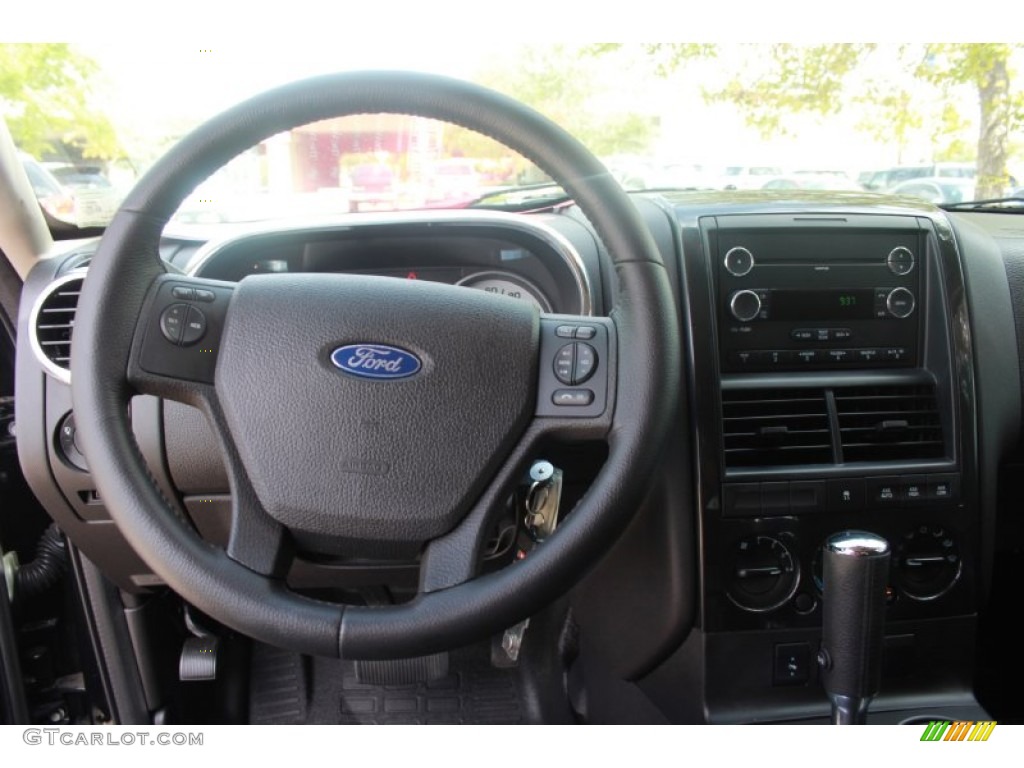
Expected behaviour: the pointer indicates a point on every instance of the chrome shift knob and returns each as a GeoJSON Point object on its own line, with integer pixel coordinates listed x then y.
{"type": "Point", "coordinates": [855, 576]}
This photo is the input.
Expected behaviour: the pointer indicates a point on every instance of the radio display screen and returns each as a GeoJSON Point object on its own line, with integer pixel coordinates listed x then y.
{"type": "Point", "coordinates": [851, 304]}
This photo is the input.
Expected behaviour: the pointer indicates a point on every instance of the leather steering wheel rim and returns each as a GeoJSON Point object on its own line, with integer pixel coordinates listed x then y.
{"type": "Point", "coordinates": [127, 263]}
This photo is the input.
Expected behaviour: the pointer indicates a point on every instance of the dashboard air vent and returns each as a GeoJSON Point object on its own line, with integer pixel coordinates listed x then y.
{"type": "Point", "coordinates": [889, 423]}
{"type": "Point", "coordinates": [777, 427]}
{"type": "Point", "coordinates": [53, 323]}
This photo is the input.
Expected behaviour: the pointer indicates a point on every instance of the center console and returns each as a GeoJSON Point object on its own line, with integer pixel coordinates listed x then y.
{"type": "Point", "coordinates": [833, 393]}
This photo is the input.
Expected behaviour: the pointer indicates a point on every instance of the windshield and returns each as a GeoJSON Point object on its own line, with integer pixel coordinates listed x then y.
{"type": "Point", "coordinates": [935, 122]}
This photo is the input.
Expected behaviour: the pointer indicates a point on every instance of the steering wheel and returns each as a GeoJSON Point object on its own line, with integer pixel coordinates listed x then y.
{"type": "Point", "coordinates": [322, 459]}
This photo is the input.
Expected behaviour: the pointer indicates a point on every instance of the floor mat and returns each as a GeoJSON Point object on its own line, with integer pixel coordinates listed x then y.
{"type": "Point", "coordinates": [473, 692]}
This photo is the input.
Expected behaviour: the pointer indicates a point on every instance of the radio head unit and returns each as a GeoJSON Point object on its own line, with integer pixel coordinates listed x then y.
{"type": "Point", "coordinates": [818, 298]}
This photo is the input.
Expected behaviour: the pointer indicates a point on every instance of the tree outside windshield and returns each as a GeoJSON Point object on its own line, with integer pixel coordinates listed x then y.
{"type": "Point", "coordinates": [940, 122]}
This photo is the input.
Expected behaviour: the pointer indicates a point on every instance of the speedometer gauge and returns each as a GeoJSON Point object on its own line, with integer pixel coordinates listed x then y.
{"type": "Point", "coordinates": [507, 284]}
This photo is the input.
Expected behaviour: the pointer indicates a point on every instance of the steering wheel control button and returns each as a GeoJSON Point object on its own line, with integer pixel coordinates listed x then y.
{"type": "Point", "coordinates": [204, 295]}
{"type": "Point", "coordinates": [195, 327]}
{"type": "Point", "coordinates": [586, 332]}
{"type": "Point", "coordinates": [565, 361]}
{"type": "Point", "coordinates": [565, 331]}
{"type": "Point", "coordinates": [172, 321]}
{"type": "Point", "coordinates": [900, 261]}
{"type": "Point", "coordinates": [738, 261]}
{"type": "Point", "coordinates": [183, 292]}
{"type": "Point", "coordinates": [900, 303]}
{"type": "Point", "coordinates": [573, 397]}
{"type": "Point", "coordinates": [846, 495]}
{"type": "Point", "coordinates": [586, 363]}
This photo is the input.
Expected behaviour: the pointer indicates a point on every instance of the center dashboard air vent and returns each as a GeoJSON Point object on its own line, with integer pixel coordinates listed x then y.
{"type": "Point", "coordinates": [53, 321]}
{"type": "Point", "coordinates": [889, 423]}
{"type": "Point", "coordinates": [777, 427]}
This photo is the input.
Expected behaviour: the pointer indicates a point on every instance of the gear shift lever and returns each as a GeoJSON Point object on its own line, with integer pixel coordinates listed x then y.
{"type": "Point", "coordinates": [856, 572]}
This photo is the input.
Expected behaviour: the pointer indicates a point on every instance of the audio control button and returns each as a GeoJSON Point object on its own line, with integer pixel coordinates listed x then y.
{"type": "Point", "coordinates": [900, 303]}
{"type": "Point", "coordinates": [840, 334]}
{"type": "Point", "coordinates": [868, 355]}
{"type": "Point", "coordinates": [839, 355]}
{"type": "Point", "coordinates": [745, 357]}
{"type": "Point", "coordinates": [745, 305]}
{"type": "Point", "coordinates": [802, 334]}
{"type": "Point", "coordinates": [774, 357]}
{"type": "Point", "coordinates": [821, 334]}
{"type": "Point", "coordinates": [807, 356]}
{"type": "Point", "coordinates": [896, 354]}
{"type": "Point", "coordinates": [900, 261]}
{"type": "Point", "coordinates": [738, 261]}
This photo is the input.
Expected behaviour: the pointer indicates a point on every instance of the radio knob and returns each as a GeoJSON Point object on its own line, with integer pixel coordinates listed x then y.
{"type": "Point", "coordinates": [745, 305]}
{"type": "Point", "coordinates": [738, 261]}
{"type": "Point", "coordinates": [900, 261]}
{"type": "Point", "coordinates": [900, 303]}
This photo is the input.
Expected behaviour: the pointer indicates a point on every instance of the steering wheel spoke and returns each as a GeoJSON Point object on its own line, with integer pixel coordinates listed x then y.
{"type": "Point", "coordinates": [177, 339]}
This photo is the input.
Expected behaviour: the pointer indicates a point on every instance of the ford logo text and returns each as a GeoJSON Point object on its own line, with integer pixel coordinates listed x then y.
{"type": "Point", "coordinates": [375, 361]}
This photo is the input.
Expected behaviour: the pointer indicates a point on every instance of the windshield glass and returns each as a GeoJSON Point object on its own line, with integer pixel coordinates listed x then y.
{"type": "Point", "coordinates": [935, 122]}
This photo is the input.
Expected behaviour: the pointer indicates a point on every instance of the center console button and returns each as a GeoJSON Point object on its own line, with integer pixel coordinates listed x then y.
{"type": "Point", "coordinates": [884, 491]}
{"type": "Point", "coordinates": [802, 334]}
{"type": "Point", "coordinates": [868, 355]}
{"type": "Point", "coordinates": [841, 334]}
{"type": "Point", "coordinates": [807, 356]}
{"type": "Point", "coordinates": [915, 488]}
{"type": "Point", "coordinates": [846, 495]}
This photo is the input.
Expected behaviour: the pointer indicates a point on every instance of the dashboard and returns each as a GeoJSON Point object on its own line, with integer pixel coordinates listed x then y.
{"type": "Point", "coordinates": [851, 364]}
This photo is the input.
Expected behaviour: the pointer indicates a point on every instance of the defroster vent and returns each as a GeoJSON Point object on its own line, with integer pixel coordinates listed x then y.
{"type": "Point", "coordinates": [889, 423]}
{"type": "Point", "coordinates": [775, 427]}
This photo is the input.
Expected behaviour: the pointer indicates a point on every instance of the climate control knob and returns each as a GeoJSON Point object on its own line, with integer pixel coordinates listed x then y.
{"type": "Point", "coordinates": [745, 305]}
{"type": "Point", "coordinates": [900, 303]}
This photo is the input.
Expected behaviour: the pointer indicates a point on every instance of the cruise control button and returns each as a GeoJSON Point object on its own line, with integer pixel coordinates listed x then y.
{"type": "Point", "coordinates": [586, 362]}
{"type": "Point", "coordinates": [195, 327]}
{"type": "Point", "coordinates": [577, 397]}
{"type": "Point", "coordinates": [172, 320]}
{"type": "Point", "coordinates": [564, 363]}
{"type": "Point", "coordinates": [586, 332]}
{"type": "Point", "coordinates": [204, 295]}
{"type": "Point", "coordinates": [181, 292]}
{"type": "Point", "coordinates": [565, 331]}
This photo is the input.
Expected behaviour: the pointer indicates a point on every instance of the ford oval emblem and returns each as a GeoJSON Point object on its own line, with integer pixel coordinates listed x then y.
{"type": "Point", "coordinates": [375, 361]}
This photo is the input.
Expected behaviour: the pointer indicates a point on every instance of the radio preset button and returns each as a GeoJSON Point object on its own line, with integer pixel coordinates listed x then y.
{"type": "Point", "coordinates": [896, 354]}
{"type": "Point", "coordinates": [900, 261]}
{"type": "Point", "coordinates": [745, 305]}
{"type": "Point", "coordinates": [839, 355]}
{"type": "Point", "coordinates": [745, 357]}
{"type": "Point", "coordinates": [738, 261]}
{"type": "Point", "coordinates": [869, 355]}
{"type": "Point", "coordinates": [807, 356]}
